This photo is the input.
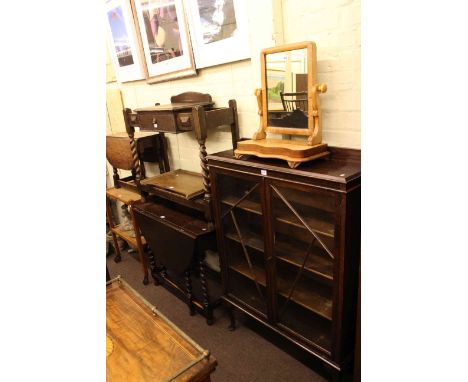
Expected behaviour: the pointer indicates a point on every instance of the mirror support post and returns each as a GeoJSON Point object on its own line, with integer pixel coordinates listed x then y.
{"type": "Point", "coordinates": [316, 134]}
{"type": "Point", "coordinates": [260, 133]}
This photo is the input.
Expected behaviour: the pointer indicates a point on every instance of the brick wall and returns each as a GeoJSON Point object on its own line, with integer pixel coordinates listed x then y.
{"type": "Point", "coordinates": [333, 24]}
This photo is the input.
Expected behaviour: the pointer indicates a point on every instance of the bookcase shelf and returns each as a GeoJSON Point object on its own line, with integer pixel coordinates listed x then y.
{"type": "Point", "coordinates": [302, 295]}
{"type": "Point", "coordinates": [315, 222]}
{"type": "Point", "coordinates": [288, 253]}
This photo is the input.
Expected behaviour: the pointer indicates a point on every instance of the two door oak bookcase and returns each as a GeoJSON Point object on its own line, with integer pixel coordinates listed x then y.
{"type": "Point", "coordinates": [289, 245]}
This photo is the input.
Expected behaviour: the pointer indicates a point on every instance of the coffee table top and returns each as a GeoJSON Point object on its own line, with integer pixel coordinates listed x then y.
{"type": "Point", "coordinates": [144, 345]}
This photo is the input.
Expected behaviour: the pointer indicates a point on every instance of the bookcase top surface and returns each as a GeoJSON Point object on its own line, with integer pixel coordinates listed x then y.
{"type": "Point", "coordinates": [343, 165]}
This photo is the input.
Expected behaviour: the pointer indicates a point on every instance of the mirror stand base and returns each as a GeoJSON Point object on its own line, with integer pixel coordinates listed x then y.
{"type": "Point", "coordinates": [294, 152]}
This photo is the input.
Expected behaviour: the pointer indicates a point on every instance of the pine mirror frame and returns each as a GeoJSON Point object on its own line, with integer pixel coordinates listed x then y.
{"type": "Point", "coordinates": [314, 128]}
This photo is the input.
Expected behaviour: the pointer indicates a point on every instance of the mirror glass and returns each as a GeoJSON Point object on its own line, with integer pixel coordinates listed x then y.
{"type": "Point", "coordinates": [286, 82]}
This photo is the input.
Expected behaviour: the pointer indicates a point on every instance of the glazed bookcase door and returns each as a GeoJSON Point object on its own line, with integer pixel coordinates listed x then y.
{"type": "Point", "coordinates": [303, 247]}
{"type": "Point", "coordinates": [241, 221]}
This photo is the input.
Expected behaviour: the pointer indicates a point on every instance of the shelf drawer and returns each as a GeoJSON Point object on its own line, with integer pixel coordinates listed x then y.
{"type": "Point", "coordinates": [157, 121]}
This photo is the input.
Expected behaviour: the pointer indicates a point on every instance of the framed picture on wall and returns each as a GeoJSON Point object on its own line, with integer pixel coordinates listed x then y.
{"type": "Point", "coordinates": [219, 31]}
{"type": "Point", "coordinates": [165, 39]}
{"type": "Point", "coordinates": [124, 43]}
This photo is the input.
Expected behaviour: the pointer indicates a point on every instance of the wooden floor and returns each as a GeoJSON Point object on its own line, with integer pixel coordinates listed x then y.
{"type": "Point", "coordinates": [243, 355]}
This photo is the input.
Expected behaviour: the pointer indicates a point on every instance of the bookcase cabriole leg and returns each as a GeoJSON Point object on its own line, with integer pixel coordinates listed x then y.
{"type": "Point", "coordinates": [232, 318]}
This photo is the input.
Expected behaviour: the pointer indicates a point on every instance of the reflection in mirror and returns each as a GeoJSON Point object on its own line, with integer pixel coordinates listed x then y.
{"type": "Point", "coordinates": [286, 81]}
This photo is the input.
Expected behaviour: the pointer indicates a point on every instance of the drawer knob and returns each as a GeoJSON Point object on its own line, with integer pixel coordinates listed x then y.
{"type": "Point", "coordinates": [185, 120]}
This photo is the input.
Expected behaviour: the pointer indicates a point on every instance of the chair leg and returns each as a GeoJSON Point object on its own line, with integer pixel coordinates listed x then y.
{"type": "Point", "coordinates": [118, 256]}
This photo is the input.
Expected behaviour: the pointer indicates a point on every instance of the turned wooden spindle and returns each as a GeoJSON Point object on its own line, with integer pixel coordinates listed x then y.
{"type": "Point", "coordinates": [136, 161]}
{"type": "Point", "coordinates": [205, 171]}
{"type": "Point", "coordinates": [206, 299]}
{"type": "Point", "coordinates": [188, 291]}
{"type": "Point", "coordinates": [316, 137]}
{"type": "Point", "coordinates": [199, 124]}
{"type": "Point", "coordinates": [129, 126]}
{"type": "Point", "coordinates": [152, 265]}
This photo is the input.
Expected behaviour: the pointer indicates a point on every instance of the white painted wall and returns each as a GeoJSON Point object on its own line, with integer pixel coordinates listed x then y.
{"type": "Point", "coordinates": [333, 24]}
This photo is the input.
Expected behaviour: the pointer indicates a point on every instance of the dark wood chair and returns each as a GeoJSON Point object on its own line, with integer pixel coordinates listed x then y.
{"type": "Point", "coordinates": [293, 101]}
{"type": "Point", "coordinates": [120, 155]}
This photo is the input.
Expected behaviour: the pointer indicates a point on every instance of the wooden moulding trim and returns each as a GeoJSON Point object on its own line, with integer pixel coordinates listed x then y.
{"type": "Point", "coordinates": [245, 307]}
{"type": "Point", "coordinates": [339, 184]}
{"type": "Point", "coordinates": [287, 47]}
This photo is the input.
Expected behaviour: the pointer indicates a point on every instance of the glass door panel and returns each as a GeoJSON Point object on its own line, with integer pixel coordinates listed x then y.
{"type": "Point", "coordinates": [242, 227]}
{"type": "Point", "coordinates": [303, 247]}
